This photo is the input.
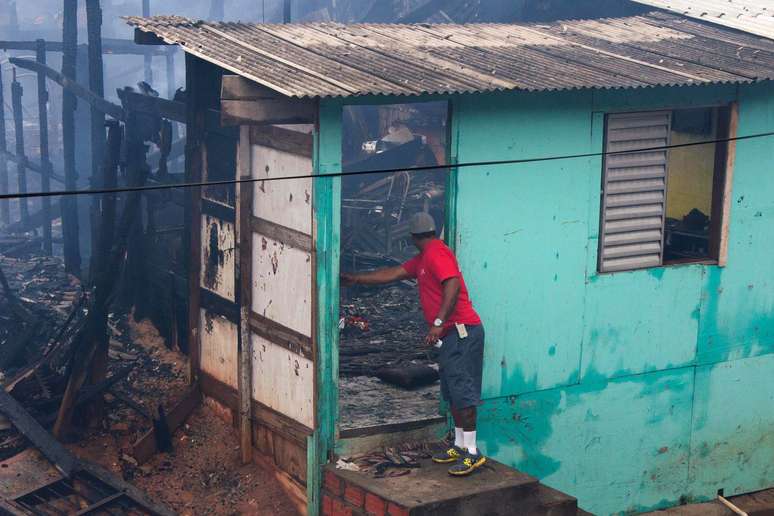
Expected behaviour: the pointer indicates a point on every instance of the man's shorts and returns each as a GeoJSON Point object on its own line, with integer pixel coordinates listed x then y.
{"type": "Point", "coordinates": [461, 364]}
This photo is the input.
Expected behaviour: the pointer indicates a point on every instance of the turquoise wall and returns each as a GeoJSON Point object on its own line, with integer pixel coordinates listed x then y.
{"type": "Point", "coordinates": [633, 390]}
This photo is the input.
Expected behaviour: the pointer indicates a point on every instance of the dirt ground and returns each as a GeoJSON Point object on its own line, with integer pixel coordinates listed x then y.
{"type": "Point", "coordinates": [203, 475]}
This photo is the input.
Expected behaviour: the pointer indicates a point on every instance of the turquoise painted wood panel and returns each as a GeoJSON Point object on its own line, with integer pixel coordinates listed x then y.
{"type": "Point", "coordinates": [617, 446]}
{"type": "Point", "coordinates": [522, 234]}
{"type": "Point", "coordinates": [737, 318]}
{"type": "Point", "coordinates": [641, 321]}
{"type": "Point", "coordinates": [733, 445]}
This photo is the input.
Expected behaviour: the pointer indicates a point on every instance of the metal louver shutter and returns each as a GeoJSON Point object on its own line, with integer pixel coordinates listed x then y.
{"type": "Point", "coordinates": [634, 191]}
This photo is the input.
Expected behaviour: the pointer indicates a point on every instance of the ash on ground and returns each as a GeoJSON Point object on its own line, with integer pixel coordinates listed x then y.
{"type": "Point", "coordinates": [382, 327]}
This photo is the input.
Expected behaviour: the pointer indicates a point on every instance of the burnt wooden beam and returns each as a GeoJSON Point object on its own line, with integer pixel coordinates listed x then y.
{"type": "Point", "coordinates": [31, 165]}
{"type": "Point", "coordinates": [244, 280]}
{"type": "Point", "coordinates": [236, 87]}
{"type": "Point", "coordinates": [194, 164]}
{"type": "Point", "coordinates": [158, 106]}
{"type": "Point", "coordinates": [268, 111]}
{"type": "Point", "coordinates": [279, 138]}
{"type": "Point", "coordinates": [286, 235]}
{"type": "Point", "coordinates": [71, 87]}
{"type": "Point", "coordinates": [146, 446]}
{"type": "Point", "coordinates": [72, 253]}
{"type": "Point", "coordinates": [113, 46]}
{"type": "Point", "coordinates": [5, 206]}
{"type": "Point", "coordinates": [45, 159]}
{"type": "Point", "coordinates": [103, 212]}
{"type": "Point", "coordinates": [21, 165]}
{"type": "Point", "coordinates": [37, 435]}
{"type": "Point", "coordinates": [97, 87]}
{"type": "Point", "coordinates": [281, 335]}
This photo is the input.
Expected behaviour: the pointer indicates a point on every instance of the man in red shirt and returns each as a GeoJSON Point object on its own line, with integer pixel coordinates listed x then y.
{"type": "Point", "coordinates": [454, 326]}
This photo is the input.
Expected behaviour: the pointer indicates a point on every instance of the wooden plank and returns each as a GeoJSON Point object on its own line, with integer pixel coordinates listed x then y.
{"type": "Point", "coordinates": [236, 87]}
{"type": "Point", "coordinates": [282, 234]}
{"type": "Point", "coordinates": [145, 447]}
{"type": "Point", "coordinates": [219, 353]}
{"type": "Point", "coordinates": [31, 165]}
{"type": "Point", "coordinates": [36, 434]}
{"type": "Point", "coordinates": [267, 111]}
{"type": "Point", "coordinates": [71, 86]}
{"type": "Point", "coordinates": [262, 414]}
{"type": "Point", "coordinates": [164, 108]}
{"type": "Point", "coordinates": [193, 174]}
{"type": "Point", "coordinates": [275, 365]}
{"type": "Point", "coordinates": [279, 138]}
{"type": "Point", "coordinates": [281, 335]}
{"type": "Point", "coordinates": [733, 127]}
{"type": "Point", "coordinates": [285, 202]}
{"type": "Point", "coordinates": [244, 274]}
{"type": "Point", "coordinates": [282, 277]}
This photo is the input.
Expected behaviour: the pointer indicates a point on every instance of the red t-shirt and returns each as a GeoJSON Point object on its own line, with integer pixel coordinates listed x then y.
{"type": "Point", "coordinates": [431, 268]}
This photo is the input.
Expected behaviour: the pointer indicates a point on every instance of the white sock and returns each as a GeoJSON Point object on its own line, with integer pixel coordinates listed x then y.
{"type": "Point", "coordinates": [459, 440]}
{"type": "Point", "coordinates": [469, 438]}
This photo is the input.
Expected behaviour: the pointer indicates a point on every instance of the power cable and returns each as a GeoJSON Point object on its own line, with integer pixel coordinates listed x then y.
{"type": "Point", "coordinates": [381, 171]}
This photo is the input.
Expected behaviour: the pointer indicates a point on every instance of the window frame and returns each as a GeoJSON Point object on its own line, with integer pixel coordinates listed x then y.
{"type": "Point", "coordinates": [721, 191]}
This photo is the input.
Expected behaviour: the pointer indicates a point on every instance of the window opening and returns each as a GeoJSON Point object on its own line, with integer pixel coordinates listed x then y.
{"type": "Point", "coordinates": [663, 207]}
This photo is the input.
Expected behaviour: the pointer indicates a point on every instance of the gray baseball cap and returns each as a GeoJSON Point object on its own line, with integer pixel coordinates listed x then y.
{"type": "Point", "coordinates": [421, 223]}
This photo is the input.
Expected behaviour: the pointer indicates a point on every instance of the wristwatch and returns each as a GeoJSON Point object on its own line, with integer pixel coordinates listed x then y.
{"type": "Point", "coordinates": [438, 323]}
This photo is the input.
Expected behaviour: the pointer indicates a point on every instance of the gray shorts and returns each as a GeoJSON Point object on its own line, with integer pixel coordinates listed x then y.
{"type": "Point", "coordinates": [461, 364]}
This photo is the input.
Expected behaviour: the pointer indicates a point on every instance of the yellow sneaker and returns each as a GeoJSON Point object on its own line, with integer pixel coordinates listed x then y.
{"type": "Point", "coordinates": [469, 463]}
{"type": "Point", "coordinates": [453, 454]}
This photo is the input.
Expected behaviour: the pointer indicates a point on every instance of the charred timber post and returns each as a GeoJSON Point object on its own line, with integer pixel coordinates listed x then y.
{"type": "Point", "coordinates": [45, 158]}
{"type": "Point", "coordinates": [21, 162]}
{"type": "Point", "coordinates": [243, 278]}
{"type": "Point", "coordinates": [72, 254]}
{"type": "Point", "coordinates": [148, 58]}
{"type": "Point", "coordinates": [83, 357]}
{"type": "Point", "coordinates": [195, 123]}
{"type": "Point", "coordinates": [104, 219]}
{"type": "Point", "coordinates": [96, 85]}
{"type": "Point", "coordinates": [5, 206]}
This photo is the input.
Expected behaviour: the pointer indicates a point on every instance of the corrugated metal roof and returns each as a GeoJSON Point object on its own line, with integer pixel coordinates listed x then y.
{"type": "Point", "coordinates": [753, 16]}
{"type": "Point", "coordinates": [335, 60]}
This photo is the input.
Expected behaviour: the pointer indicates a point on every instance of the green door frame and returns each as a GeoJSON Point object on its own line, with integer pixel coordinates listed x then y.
{"type": "Point", "coordinates": [327, 231]}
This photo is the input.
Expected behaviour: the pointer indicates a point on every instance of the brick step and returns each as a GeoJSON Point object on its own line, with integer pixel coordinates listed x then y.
{"type": "Point", "coordinates": [429, 491]}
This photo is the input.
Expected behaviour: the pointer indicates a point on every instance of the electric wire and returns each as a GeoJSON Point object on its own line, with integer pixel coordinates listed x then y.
{"type": "Point", "coordinates": [330, 175]}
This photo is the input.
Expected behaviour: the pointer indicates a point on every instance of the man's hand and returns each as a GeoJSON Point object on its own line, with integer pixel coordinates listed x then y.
{"type": "Point", "coordinates": [347, 279]}
{"type": "Point", "coordinates": [433, 335]}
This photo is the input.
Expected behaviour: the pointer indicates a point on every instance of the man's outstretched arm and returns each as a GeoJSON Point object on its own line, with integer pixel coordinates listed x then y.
{"type": "Point", "coordinates": [378, 277]}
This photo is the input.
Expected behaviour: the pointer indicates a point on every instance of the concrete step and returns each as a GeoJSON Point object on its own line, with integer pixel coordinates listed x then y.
{"type": "Point", "coordinates": [496, 490]}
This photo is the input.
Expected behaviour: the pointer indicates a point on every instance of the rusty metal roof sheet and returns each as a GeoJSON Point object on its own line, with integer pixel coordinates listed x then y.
{"type": "Point", "coordinates": [753, 16]}
{"type": "Point", "coordinates": [336, 60]}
